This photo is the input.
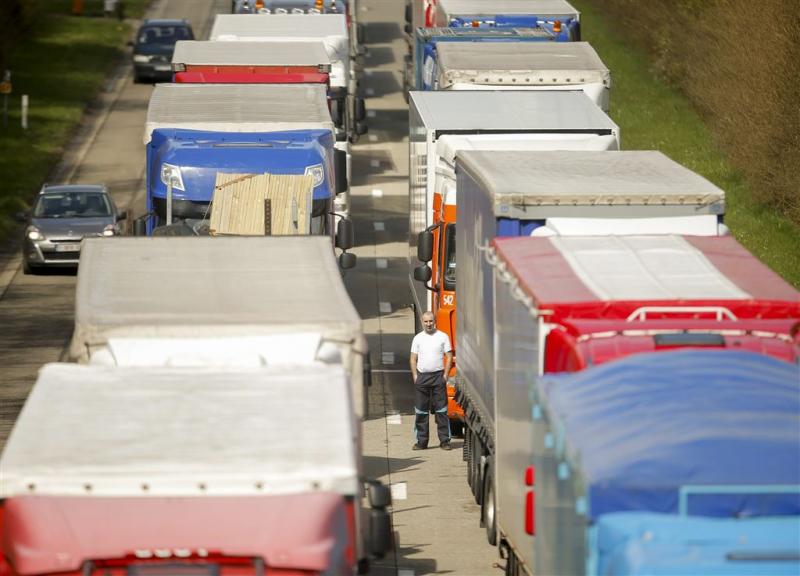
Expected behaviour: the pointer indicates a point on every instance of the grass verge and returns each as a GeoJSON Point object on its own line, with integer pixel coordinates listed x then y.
{"type": "Point", "coordinates": [654, 116]}
{"type": "Point", "coordinates": [61, 68]}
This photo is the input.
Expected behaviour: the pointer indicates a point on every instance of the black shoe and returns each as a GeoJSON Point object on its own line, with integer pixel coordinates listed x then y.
{"type": "Point", "coordinates": [445, 445]}
{"type": "Point", "coordinates": [418, 447]}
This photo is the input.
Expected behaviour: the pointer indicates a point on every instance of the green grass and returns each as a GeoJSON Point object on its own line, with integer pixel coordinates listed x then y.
{"type": "Point", "coordinates": [61, 68]}
{"type": "Point", "coordinates": [654, 116]}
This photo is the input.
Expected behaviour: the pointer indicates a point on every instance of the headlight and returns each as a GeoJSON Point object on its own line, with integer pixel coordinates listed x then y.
{"type": "Point", "coordinates": [33, 233]}
{"type": "Point", "coordinates": [317, 172]}
{"type": "Point", "coordinates": [171, 173]}
{"type": "Point", "coordinates": [141, 58]}
{"type": "Point", "coordinates": [108, 230]}
{"type": "Point", "coordinates": [264, 11]}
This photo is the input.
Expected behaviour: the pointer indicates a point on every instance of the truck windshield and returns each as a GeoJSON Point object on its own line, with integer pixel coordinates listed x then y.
{"type": "Point", "coordinates": [449, 268]}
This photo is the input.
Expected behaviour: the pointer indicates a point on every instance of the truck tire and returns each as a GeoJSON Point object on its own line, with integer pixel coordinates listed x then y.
{"type": "Point", "coordinates": [465, 446]}
{"type": "Point", "coordinates": [477, 451]}
{"type": "Point", "coordinates": [512, 565]}
{"type": "Point", "coordinates": [488, 507]}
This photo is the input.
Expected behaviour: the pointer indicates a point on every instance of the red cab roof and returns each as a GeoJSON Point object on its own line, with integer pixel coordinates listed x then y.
{"type": "Point", "coordinates": [44, 534]}
{"type": "Point", "coordinates": [646, 278]}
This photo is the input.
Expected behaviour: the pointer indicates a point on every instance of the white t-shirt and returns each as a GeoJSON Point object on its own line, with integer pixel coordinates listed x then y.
{"type": "Point", "coordinates": [430, 350]}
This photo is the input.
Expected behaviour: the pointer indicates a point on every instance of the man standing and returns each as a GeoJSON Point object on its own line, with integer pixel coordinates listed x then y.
{"type": "Point", "coordinates": [431, 358]}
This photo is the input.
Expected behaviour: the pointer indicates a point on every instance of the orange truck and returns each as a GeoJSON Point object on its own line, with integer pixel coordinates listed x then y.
{"type": "Point", "coordinates": [442, 123]}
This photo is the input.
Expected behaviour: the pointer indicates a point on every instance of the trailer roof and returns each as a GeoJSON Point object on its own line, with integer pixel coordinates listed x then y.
{"type": "Point", "coordinates": [503, 111]}
{"type": "Point", "coordinates": [611, 277]}
{"type": "Point", "coordinates": [233, 286]}
{"type": "Point", "coordinates": [238, 107]}
{"type": "Point", "coordinates": [194, 52]}
{"type": "Point", "coordinates": [180, 431]}
{"type": "Point", "coordinates": [643, 430]}
{"type": "Point", "coordinates": [300, 27]}
{"type": "Point", "coordinates": [629, 178]}
{"type": "Point", "coordinates": [520, 63]}
{"type": "Point", "coordinates": [508, 7]}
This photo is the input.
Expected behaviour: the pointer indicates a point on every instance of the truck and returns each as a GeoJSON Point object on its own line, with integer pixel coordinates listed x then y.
{"type": "Point", "coordinates": [330, 30]}
{"type": "Point", "coordinates": [568, 305]}
{"type": "Point", "coordinates": [558, 15]}
{"type": "Point", "coordinates": [691, 440]}
{"type": "Point", "coordinates": [517, 65]}
{"type": "Point", "coordinates": [163, 469]}
{"type": "Point", "coordinates": [444, 124]}
{"type": "Point", "coordinates": [198, 62]}
{"type": "Point", "coordinates": [194, 132]}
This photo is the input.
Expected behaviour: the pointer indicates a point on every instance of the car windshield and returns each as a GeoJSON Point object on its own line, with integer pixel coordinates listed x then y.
{"type": "Point", "coordinates": [163, 34]}
{"type": "Point", "coordinates": [72, 205]}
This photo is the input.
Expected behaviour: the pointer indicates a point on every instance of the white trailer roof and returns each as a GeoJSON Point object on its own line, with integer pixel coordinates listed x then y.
{"type": "Point", "coordinates": [209, 287]}
{"type": "Point", "coordinates": [587, 178]}
{"type": "Point", "coordinates": [162, 432]}
{"type": "Point", "coordinates": [331, 29]}
{"type": "Point", "coordinates": [508, 111]}
{"type": "Point", "coordinates": [520, 63]}
{"type": "Point", "coordinates": [508, 7]}
{"type": "Point", "coordinates": [238, 107]}
{"type": "Point", "coordinates": [200, 53]}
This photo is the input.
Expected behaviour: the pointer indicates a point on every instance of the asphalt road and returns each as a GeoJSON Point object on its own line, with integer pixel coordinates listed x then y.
{"type": "Point", "coordinates": [434, 516]}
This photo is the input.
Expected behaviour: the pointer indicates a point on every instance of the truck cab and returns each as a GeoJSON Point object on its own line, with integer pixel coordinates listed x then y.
{"type": "Point", "coordinates": [443, 125]}
{"type": "Point", "coordinates": [194, 132]}
{"type": "Point", "coordinates": [556, 15]}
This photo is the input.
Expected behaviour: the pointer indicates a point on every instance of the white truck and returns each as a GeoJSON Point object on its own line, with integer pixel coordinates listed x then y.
{"type": "Point", "coordinates": [329, 29]}
{"type": "Point", "coordinates": [146, 469]}
{"type": "Point", "coordinates": [217, 301]}
{"type": "Point", "coordinates": [518, 66]}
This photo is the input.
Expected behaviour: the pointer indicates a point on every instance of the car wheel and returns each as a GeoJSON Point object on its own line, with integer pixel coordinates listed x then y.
{"type": "Point", "coordinates": [27, 268]}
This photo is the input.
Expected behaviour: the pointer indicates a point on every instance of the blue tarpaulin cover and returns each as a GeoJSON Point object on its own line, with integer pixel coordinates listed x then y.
{"type": "Point", "coordinates": [635, 544]}
{"type": "Point", "coordinates": [639, 429]}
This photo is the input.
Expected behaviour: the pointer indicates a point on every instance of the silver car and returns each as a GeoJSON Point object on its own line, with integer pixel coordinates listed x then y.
{"type": "Point", "coordinates": [60, 218]}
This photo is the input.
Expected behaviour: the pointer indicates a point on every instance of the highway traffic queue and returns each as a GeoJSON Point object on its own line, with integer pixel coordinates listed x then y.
{"type": "Point", "coordinates": [626, 379]}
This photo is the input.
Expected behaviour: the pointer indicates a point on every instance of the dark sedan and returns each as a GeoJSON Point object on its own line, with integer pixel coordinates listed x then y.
{"type": "Point", "coordinates": [60, 218]}
{"type": "Point", "coordinates": [155, 43]}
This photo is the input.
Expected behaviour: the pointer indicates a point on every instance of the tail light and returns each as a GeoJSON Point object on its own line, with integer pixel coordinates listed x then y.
{"type": "Point", "coordinates": [430, 7]}
{"type": "Point", "coordinates": [259, 5]}
{"type": "Point", "coordinates": [530, 501]}
{"type": "Point", "coordinates": [557, 26]}
{"type": "Point", "coordinates": [350, 552]}
{"type": "Point", "coordinates": [475, 24]}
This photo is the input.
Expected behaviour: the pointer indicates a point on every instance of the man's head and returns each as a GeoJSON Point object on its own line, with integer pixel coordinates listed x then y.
{"type": "Point", "coordinates": [429, 322]}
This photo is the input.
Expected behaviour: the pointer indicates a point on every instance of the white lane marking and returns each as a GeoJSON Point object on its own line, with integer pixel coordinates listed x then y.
{"type": "Point", "coordinates": [368, 72]}
{"type": "Point", "coordinates": [370, 92]}
{"type": "Point", "coordinates": [387, 358]}
{"type": "Point", "coordinates": [385, 307]}
{"type": "Point", "coordinates": [371, 113]}
{"type": "Point", "coordinates": [399, 491]}
{"type": "Point", "coordinates": [382, 263]}
{"type": "Point", "coordinates": [375, 163]}
{"type": "Point", "coordinates": [377, 193]}
{"type": "Point", "coordinates": [372, 137]}
{"type": "Point", "coordinates": [394, 419]}
{"type": "Point", "coordinates": [379, 226]}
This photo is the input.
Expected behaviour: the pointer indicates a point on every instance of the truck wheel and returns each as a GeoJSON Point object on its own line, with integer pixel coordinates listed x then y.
{"type": "Point", "coordinates": [477, 488]}
{"type": "Point", "coordinates": [511, 564]}
{"type": "Point", "coordinates": [465, 446]}
{"type": "Point", "coordinates": [488, 509]}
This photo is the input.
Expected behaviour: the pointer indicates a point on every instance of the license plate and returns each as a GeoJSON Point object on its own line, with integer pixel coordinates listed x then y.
{"type": "Point", "coordinates": [68, 247]}
{"type": "Point", "coordinates": [163, 67]}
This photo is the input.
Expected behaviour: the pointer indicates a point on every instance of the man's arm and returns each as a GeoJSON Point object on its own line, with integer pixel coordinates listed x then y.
{"type": "Point", "coordinates": [448, 362]}
{"type": "Point", "coordinates": [412, 360]}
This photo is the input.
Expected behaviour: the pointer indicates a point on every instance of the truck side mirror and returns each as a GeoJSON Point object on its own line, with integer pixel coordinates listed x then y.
{"type": "Point", "coordinates": [347, 260]}
{"type": "Point", "coordinates": [425, 246]}
{"type": "Point", "coordinates": [360, 109]}
{"type": "Point", "coordinates": [407, 29]}
{"type": "Point", "coordinates": [361, 128]}
{"type": "Point", "coordinates": [423, 273]}
{"type": "Point", "coordinates": [336, 112]}
{"type": "Point", "coordinates": [340, 167]}
{"type": "Point", "coordinates": [344, 234]}
{"type": "Point", "coordinates": [379, 495]}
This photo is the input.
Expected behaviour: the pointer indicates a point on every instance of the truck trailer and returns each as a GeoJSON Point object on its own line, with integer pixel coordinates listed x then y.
{"type": "Point", "coordinates": [444, 124]}
{"type": "Point", "coordinates": [155, 470]}
{"type": "Point", "coordinates": [569, 303]}
{"type": "Point", "coordinates": [494, 65]}
{"type": "Point", "coordinates": [330, 30]}
{"type": "Point", "coordinates": [194, 132]}
{"type": "Point", "coordinates": [212, 62]}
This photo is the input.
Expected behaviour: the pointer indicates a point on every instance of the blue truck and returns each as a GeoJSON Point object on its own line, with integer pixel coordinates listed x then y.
{"type": "Point", "coordinates": [194, 132]}
{"type": "Point", "coordinates": [558, 15]}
